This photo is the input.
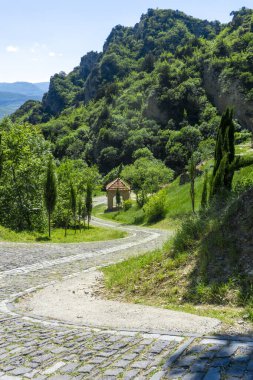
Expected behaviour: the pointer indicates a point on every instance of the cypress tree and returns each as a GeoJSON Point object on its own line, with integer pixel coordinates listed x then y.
{"type": "Point", "coordinates": [50, 192]}
{"type": "Point", "coordinates": [84, 213]}
{"type": "Point", "coordinates": [73, 203]}
{"type": "Point", "coordinates": [79, 211]}
{"type": "Point", "coordinates": [88, 203]}
{"type": "Point", "coordinates": [204, 199]}
{"type": "Point", "coordinates": [118, 198]}
{"type": "Point", "coordinates": [224, 155]}
{"type": "Point", "coordinates": [192, 173]}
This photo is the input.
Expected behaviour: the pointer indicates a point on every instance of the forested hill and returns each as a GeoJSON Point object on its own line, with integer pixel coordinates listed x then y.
{"type": "Point", "coordinates": [160, 84]}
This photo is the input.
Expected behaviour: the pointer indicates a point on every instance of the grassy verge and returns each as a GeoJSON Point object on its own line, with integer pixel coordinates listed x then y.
{"type": "Point", "coordinates": [87, 235]}
{"type": "Point", "coordinates": [156, 279]}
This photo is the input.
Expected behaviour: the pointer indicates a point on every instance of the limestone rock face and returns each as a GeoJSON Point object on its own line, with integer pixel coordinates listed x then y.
{"type": "Point", "coordinates": [224, 94]}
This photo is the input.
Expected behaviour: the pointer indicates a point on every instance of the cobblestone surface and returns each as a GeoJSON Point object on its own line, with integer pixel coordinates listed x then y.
{"type": "Point", "coordinates": [34, 349]}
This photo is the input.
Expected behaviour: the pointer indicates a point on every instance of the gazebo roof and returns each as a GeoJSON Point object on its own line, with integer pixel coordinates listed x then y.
{"type": "Point", "coordinates": [117, 184]}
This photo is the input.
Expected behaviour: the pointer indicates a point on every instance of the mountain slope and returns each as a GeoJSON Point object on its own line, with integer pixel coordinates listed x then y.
{"type": "Point", "coordinates": [155, 85]}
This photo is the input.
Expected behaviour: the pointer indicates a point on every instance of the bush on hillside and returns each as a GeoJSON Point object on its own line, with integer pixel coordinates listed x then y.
{"type": "Point", "coordinates": [127, 205]}
{"type": "Point", "coordinates": [155, 209]}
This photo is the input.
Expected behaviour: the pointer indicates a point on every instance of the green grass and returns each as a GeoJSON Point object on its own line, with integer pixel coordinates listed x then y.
{"type": "Point", "coordinates": [87, 235]}
{"type": "Point", "coordinates": [134, 215]}
{"type": "Point", "coordinates": [155, 279]}
{"type": "Point", "coordinates": [178, 205]}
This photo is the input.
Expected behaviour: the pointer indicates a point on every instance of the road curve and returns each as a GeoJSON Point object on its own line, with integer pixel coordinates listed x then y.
{"type": "Point", "coordinates": [38, 348]}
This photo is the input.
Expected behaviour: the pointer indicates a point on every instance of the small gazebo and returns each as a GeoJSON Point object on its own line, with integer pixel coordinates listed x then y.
{"type": "Point", "coordinates": [111, 189]}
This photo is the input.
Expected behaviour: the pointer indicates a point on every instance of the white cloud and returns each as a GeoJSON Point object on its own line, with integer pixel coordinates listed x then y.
{"type": "Point", "coordinates": [53, 54]}
{"type": "Point", "coordinates": [12, 49]}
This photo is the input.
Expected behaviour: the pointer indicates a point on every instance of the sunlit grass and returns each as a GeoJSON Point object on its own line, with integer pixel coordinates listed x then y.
{"type": "Point", "coordinates": [58, 235]}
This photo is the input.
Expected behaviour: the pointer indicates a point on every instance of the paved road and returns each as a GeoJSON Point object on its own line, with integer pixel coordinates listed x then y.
{"type": "Point", "coordinates": [33, 348]}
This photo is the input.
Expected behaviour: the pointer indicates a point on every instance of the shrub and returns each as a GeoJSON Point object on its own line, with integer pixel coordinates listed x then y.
{"type": "Point", "coordinates": [188, 235]}
{"type": "Point", "coordinates": [155, 209]}
{"type": "Point", "coordinates": [127, 204]}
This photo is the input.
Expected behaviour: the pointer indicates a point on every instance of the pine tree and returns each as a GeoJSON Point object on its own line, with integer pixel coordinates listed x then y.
{"type": "Point", "coordinates": [50, 193]}
{"type": "Point", "coordinates": [204, 199]}
{"type": "Point", "coordinates": [88, 203]}
{"type": "Point", "coordinates": [118, 198]}
{"type": "Point", "coordinates": [73, 203]}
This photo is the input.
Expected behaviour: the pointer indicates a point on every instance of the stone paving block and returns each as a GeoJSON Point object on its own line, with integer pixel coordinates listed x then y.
{"type": "Point", "coordinates": [158, 375]}
{"type": "Point", "coordinates": [97, 360]}
{"type": "Point", "coordinates": [130, 375]}
{"type": "Point", "coordinates": [61, 377]}
{"type": "Point", "coordinates": [193, 376]}
{"type": "Point", "coordinates": [121, 363]}
{"type": "Point", "coordinates": [186, 361]}
{"type": "Point", "coordinates": [227, 351]}
{"type": "Point", "coordinates": [86, 368]}
{"type": "Point", "coordinates": [197, 349]}
{"type": "Point", "coordinates": [250, 365]}
{"type": "Point", "coordinates": [20, 371]}
{"type": "Point", "coordinates": [207, 355]}
{"type": "Point", "coordinates": [199, 366]}
{"type": "Point", "coordinates": [222, 362]}
{"type": "Point", "coordinates": [113, 372]}
{"type": "Point", "coordinates": [129, 356]}
{"type": "Point", "coordinates": [70, 367]}
{"type": "Point", "coordinates": [175, 373]}
{"type": "Point", "coordinates": [236, 371]}
{"type": "Point", "coordinates": [142, 364]}
{"type": "Point", "coordinates": [213, 374]}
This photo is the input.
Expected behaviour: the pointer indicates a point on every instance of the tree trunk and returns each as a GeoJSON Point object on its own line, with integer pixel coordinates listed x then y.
{"type": "Point", "coordinates": [193, 196]}
{"type": "Point", "coordinates": [49, 225]}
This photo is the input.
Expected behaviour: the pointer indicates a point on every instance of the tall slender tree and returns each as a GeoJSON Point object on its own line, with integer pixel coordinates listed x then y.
{"type": "Point", "coordinates": [118, 198]}
{"type": "Point", "coordinates": [204, 199]}
{"type": "Point", "coordinates": [50, 192]}
{"type": "Point", "coordinates": [73, 203]}
{"type": "Point", "coordinates": [224, 155]}
{"type": "Point", "coordinates": [192, 174]}
{"type": "Point", "coordinates": [88, 203]}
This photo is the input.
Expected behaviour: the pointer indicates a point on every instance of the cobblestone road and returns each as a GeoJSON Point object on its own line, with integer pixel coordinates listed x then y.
{"type": "Point", "coordinates": [33, 348]}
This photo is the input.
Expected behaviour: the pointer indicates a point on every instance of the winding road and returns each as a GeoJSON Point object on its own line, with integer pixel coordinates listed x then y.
{"type": "Point", "coordinates": [36, 347]}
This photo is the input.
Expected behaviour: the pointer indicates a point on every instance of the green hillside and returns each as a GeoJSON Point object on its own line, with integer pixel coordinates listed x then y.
{"type": "Point", "coordinates": [160, 84]}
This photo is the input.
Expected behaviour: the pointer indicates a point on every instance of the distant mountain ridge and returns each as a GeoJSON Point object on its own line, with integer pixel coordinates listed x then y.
{"type": "Point", "coordinates": [13, 95]}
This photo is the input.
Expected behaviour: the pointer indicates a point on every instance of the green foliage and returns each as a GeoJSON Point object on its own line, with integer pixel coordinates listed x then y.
{"type": "Point", "coordinates": [73, 203]}
{"type": "Point", "coordinates": [155, 208]}
{"type": "Point", "coordinates": [50, 192]}
{"type": "Point", "coordinates": [145, 176]}
{"type": "Point", "coordinates": [118, 198]}
{"type": "Point", "coordinates": [88, 201]}
{"type": "Point", "coordinates": [127, 205]}
{"type": "Point", "coordinates": [146, 93]}
{"type": "Point", "coordinates": [204, 196]}
{"type": "Point", "coordinates": [224, 155]}
{"type": "Point", "coordinates": [24, 159]}
{"type": "Point", "coordinates": [192, 170]}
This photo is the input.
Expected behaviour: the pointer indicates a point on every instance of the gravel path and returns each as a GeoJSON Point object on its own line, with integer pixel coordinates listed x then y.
{"type": "Point", "coordinates": [75, 301]}
{"type": "Point", "coordinates": [40, 348]}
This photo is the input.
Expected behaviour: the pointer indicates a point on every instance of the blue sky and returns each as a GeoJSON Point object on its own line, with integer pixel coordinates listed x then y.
{"type": "Point", "coordinates": [42, 37]}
